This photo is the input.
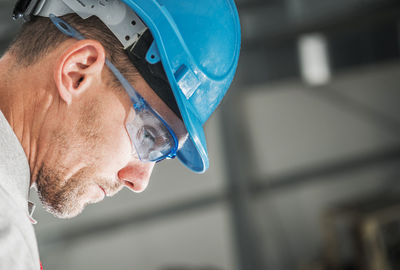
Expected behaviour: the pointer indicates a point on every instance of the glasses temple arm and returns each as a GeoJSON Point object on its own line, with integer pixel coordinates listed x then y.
{"type": "Point", "coordinates": [129, 88]}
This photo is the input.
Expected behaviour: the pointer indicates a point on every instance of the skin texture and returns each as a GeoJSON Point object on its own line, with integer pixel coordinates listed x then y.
{"type": "Point", "coordinates": [71, 126]}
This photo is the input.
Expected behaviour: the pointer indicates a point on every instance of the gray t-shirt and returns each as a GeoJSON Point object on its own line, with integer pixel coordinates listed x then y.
{"type": "Point", "coordinates": [18, 246]}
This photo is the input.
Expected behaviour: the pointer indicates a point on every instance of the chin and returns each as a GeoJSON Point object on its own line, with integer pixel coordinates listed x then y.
{"type": "Point", "coordinates": [65, 212]}
{"type": "Point", "coordinates": [68, 208]}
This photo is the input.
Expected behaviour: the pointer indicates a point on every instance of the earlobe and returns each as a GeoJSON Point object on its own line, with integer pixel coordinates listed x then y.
{"type": "Point", "coordinates": [78, 68]}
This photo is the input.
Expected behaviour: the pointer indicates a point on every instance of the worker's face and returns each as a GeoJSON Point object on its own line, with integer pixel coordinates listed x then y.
{"type": "Point", "coordinates": [89, 152]}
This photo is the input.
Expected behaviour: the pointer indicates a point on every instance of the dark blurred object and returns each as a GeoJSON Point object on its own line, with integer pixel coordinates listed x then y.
{"type": "Point", "coordinates": [363, 235]}
{"type": "Point", "coordinates": [24, 8]}
{"type": "Point", "coordinates": [190, 268]}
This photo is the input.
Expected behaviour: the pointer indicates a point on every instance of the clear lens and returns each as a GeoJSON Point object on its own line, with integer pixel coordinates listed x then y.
{"type": "Point", "coordinates": [151, 138]}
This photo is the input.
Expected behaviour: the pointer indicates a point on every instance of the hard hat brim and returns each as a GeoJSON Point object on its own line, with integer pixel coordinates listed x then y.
{"type": "Point", "coordinates": [193, 154]}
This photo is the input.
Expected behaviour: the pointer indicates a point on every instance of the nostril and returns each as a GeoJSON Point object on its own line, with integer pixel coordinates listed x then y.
{"type": "Point", "coordinates": [129, 184]}
{"type": "Point", "coordinates": [135, 175]}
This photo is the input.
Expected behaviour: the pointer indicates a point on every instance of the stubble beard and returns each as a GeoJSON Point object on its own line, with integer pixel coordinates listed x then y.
{"type": "Point", "coordinates": [67, 198]}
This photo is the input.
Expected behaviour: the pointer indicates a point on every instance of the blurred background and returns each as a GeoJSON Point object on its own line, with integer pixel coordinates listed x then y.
{"type": "Point", "coordinates": [304, 154]}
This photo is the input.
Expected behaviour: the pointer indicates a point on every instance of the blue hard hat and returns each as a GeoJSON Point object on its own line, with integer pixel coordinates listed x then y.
{"type": "Point", "coordinates": [198, 43]}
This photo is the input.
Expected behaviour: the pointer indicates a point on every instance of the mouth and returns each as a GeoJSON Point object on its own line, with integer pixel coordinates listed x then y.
{"type": "Point", "coordinates": [105, 193]}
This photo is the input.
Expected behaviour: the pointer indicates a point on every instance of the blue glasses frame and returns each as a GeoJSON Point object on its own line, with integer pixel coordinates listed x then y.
{"type": "Point", "coordinates": [138, 101]}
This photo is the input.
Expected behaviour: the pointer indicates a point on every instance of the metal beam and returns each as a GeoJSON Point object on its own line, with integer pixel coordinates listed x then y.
{"type": "Point", "coordinates": [248, 246]}
{"type": "Point", "coordinates": [353, 106]}
{"type": "Point", "coordinates": [261, 187]}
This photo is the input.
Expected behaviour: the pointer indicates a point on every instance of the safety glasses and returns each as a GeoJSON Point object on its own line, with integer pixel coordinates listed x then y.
{"type": "Point", "coordinates": [151, 136]}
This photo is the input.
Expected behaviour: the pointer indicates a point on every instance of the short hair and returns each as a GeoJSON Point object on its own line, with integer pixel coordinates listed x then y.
{"type": "Point", "coordinates": [40, 36]}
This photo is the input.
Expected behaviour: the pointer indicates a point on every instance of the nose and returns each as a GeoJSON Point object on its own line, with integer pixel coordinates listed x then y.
{"type": "Point", "coordinates": [136, 175]}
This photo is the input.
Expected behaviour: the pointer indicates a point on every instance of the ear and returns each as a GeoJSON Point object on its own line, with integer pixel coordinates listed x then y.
{"type": "Point", "coordinates": [78, 68]}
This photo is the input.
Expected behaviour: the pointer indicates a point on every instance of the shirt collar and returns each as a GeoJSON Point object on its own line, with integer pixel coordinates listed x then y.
{"type": "Point", "coordinates": [14, 167]}
{"type": "Point", "coordinates": [31, 209]}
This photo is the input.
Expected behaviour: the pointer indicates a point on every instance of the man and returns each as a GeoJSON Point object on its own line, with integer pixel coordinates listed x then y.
{"type": "Point", "coordinates": [94, 93]}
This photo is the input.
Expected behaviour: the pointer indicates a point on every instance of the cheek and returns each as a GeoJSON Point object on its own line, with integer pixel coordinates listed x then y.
{"type": "Point", "coordinates": [116, 149]}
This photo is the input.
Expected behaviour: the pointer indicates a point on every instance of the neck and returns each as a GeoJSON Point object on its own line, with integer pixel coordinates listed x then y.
{"type": "Point", "coordinates": [24, 102]}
